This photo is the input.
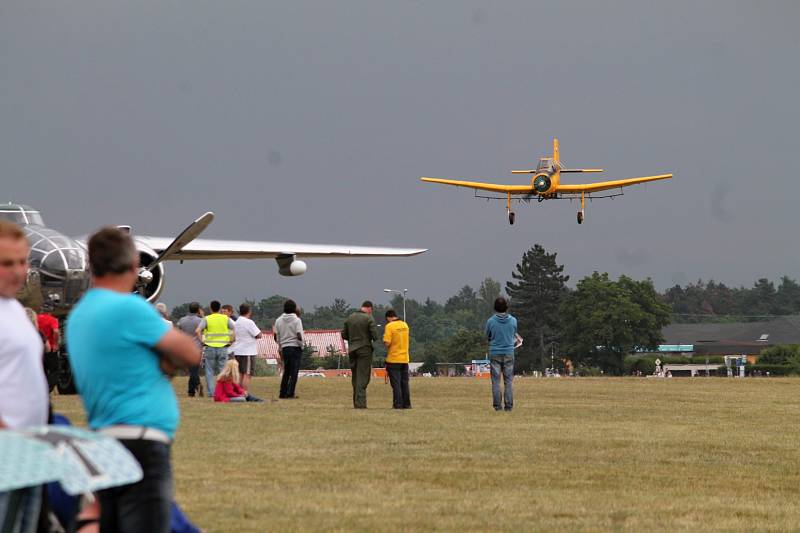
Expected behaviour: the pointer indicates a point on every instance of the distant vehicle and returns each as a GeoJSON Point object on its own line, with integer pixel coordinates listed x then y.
{"type": "Point", "coordinates": [546, 184]}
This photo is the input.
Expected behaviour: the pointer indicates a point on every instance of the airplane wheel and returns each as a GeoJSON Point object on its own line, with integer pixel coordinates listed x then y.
{"type": "Point", "coordinates": [580, 217]}
{"type": "Point", "coordinates": [511, 217]}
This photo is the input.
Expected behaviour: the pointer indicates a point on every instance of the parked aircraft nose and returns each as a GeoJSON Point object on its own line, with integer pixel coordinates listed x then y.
{"type": "Point", "coordinates": [61, 264]}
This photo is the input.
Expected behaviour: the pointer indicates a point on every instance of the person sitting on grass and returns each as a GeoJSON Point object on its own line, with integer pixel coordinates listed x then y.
{"type": "Point", "coordinates": [228, 388]}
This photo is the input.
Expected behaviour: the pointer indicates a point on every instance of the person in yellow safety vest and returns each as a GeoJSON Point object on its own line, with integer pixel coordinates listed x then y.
{"type": "Point", "coordinates": [216, 332]}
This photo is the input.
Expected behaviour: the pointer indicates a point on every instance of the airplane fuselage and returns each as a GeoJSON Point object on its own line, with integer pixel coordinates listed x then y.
{"type": "Point", "coordinates": [58, 274]}
{"type": "Point", "coordinates": [544, 182]}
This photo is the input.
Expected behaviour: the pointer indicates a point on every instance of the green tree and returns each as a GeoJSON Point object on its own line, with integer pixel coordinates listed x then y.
{"type": "Point", "coordinates": [787, 298]}
{"type": "Point", "coordinates": [462, 347]}
{"type": "Point", "coordinates": [466, 299]}
{"type": "Point", "coordinates": [605, 320]}
{"type": "Point", "coordinates": [760, 300]}
{"type": "Point", "coordinates": [328, 316]}
{"type": "Point", "coordinates": [267, 310]}
{"type": "Point", "coordinates": [487, 294]}
{"type": "Point", "coordinates": [781, 354]}
{"type": "Point", "coordinates": [179, 311]}
{"type": "Point", "coordinates": [536, 296]}
{"type": "Point", "coordinates": [335, 358]}
{"type": "Point", "coordinates": [308, 359]}
{"type": "Point", "coordinates": [654, 315]}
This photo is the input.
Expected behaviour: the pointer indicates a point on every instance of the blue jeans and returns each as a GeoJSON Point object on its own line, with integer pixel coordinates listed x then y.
{"type": "Point", "coordinates": [215, 360]}
{"type": "Point", "coordinates": [24, 505]}
{"type": "Point", "coordinates": [502, 365]}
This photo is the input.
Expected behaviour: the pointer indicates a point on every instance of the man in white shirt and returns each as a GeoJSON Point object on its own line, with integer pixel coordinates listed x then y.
{"type": "Point", "coordinates": [245, 349]}
{"type": "Point", "coordinates": [24, 394]}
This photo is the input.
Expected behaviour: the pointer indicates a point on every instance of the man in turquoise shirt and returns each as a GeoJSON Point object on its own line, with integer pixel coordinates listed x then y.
{"type": "Point", "coordinates": [122, 355]}
{"type": "Point", "coordinates": [501, 331]}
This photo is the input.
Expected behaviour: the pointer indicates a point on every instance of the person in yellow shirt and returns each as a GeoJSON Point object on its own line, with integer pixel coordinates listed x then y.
{"type": "Point", "coordinates": [395, 337]}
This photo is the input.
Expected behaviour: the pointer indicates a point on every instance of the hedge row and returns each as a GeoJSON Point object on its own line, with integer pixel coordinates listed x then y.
{"type": "Point", "coordinates": [774, 370]}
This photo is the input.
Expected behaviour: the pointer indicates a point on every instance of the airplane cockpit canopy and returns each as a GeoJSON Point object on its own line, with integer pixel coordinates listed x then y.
{"type": "Point", "coordinates": [54, 254]}
{"type": "Point", "coordinates": [545, 163]}
{"type": "Point", "coordinates": [21, 214]}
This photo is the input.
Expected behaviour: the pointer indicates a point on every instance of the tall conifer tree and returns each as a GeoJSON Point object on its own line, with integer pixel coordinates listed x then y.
{"type": "Point", "coordinates": [536, 295]}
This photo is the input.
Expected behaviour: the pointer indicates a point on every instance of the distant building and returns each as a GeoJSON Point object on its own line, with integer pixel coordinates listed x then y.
{"type": "Point", "coordinates": [748, 338]}
{"type": "Point", "coordinates": [320, 339]}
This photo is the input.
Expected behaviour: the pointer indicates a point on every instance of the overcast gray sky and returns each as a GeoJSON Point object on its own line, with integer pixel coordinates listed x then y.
{"type": "Point", "coordinates": [312, 122]}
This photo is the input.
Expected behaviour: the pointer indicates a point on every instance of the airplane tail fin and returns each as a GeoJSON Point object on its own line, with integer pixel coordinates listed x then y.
{"type": "Point", "coordinates": [557, 158]}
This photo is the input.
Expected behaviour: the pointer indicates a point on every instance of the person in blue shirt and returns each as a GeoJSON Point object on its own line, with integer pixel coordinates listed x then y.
{"type": "Point", "coordinates": [122, 355]}
{"type": "Point", "coordinates": [501, 330]}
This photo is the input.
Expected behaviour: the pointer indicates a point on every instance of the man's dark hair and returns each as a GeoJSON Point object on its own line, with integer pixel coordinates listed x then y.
{"type": "Point", "coordinates": [214, 306]}
{"type": "Point", "coordinates": [244, 309]}
{"type": "Point", "coordinates": [194, 308]}
{"type": "Point", "coordinates": [289, 307]}
{"type": "Point", "coordinates": [500, 305]}
{"type": "Point", "coordinates": [367, 303]}
{"type": "Point", "coordinates": [390, 313]}
{"type": "Point", "coordinates": [228, 307]}
{"type": "Point", "coordinates": [111, 251]}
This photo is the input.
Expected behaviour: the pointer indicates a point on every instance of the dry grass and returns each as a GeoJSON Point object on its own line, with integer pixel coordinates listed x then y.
{"type": "Point", "coordinates": [575, 454]}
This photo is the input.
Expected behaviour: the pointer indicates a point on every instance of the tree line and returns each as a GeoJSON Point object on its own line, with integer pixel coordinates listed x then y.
{"type": "Point", "coordinates": [593, 325]}
{"type": "Point", "coordinates": [712, 301]}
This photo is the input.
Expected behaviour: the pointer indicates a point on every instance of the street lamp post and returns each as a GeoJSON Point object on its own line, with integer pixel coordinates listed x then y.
{"type": "Point", "coordinates": [402, 294]}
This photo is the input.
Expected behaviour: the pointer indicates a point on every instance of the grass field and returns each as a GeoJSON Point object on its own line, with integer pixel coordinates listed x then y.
{"type": "Point", "coordinates": [575, 454]}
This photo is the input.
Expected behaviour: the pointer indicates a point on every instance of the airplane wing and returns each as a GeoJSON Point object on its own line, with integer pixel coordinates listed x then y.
{"type": "Point", "coordinates": [225, 249]}
{"type": "Point", "coordinates": [493, 187]}
{"type": "Point", "coordinates": [605, 185]}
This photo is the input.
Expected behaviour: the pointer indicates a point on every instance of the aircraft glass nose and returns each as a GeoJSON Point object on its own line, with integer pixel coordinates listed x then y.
{"type": "Point", "coordinates": [61, 264]}
{"type": "Point", "coordinates": [53, 253]}
{"type": "Point", "coordinates": [58, 263]}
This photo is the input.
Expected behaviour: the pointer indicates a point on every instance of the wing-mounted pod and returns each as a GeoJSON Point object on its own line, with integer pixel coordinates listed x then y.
{"type": "Point", "coordinates": [289, 265]}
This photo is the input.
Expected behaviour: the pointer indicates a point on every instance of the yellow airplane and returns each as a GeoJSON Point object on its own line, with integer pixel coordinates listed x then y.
{"type": "Point", "coordinates": [546, 184]}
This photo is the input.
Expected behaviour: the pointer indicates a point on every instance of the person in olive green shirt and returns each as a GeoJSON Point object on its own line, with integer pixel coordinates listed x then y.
{"type": "Point", "coordinates": [360, 331]}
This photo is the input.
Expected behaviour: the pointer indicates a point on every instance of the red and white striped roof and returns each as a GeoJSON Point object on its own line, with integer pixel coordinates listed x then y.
{"type": "Point", "coordinates": [320, 339]}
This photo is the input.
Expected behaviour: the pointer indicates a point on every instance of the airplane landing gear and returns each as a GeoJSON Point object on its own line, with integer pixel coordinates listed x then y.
{"type": "Point", "coordinates": [580, 217]}
{"type": "Point", "coordinates": [509, 211]}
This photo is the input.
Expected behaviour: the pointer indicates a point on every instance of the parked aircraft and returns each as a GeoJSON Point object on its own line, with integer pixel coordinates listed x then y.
{"type": "Point", "coordinates": [59, 273]}
{"type": "Point", "coordinates": [546, 184]}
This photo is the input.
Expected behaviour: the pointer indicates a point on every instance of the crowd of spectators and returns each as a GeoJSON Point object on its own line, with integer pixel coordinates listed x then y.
{"type": "Point", "coordinates": [124, 351]}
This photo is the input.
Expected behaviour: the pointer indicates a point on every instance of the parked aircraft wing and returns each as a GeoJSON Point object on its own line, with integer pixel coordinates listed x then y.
{"type": "Point", "coordinates": [605, 185]}
{"type": "Point", "coordinates": [493, 187]}
{"type": "Point", "coordinates": [225, 249]}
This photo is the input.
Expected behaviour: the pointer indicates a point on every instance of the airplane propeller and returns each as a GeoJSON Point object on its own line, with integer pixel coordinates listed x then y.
{"type": "Point", "coordinates": [186, 236]}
